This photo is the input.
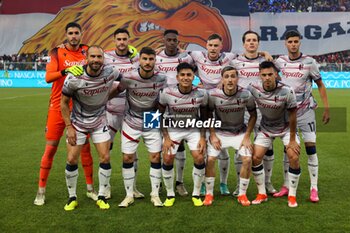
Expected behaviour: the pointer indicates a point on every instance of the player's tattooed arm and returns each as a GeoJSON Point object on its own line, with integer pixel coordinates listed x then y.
{"type": "Point", "coordinates": [251, 123]}
{"type": "Point", "coordinates": [202, 145]}
{"type": "Point", "coordinates": [71, 134]}
{"type": "Point", "coordinates": [293, 145]}
{"type": "Point", "coordinates": [168, 143]}
{"type": "Point", "coordinates": [214, 140]}
{"type": "Point", "coordinates": [323, 94]}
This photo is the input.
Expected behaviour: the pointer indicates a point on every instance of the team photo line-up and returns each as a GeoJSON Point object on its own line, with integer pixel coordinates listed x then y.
{"type": "Point", "coordinates": [150, 95]}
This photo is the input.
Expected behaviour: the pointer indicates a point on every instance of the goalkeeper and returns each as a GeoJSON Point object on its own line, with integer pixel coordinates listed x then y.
{"type": "Point", "coordinates": [63, 60]}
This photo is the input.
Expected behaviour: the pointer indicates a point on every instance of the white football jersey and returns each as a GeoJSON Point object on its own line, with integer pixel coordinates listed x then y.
{"type": "Point", "coordinates": [230, 109]}
{"type": "Point", "coordinates": [116, 106]}
{"type": "Point", "coordinates": [273, 106]}
{"type": "Point", "coordinates": [209, 72]}
{"type": "Point", "coordinates": [299, 74]}
{"type": "Point", "coordinates": [90, 95]}
{"type": "Point", "coordinates": [248, 70]}
{"type": "Point", "coordinates": [142, 96]}
{"type": "Point", "coordinates": [167, 64]}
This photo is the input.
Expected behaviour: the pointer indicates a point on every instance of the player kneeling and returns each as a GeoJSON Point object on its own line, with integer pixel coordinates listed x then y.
{"type": "Point", "coordinates": [229, 104]}
{"type": "Point", "coordinates": [184, 103]}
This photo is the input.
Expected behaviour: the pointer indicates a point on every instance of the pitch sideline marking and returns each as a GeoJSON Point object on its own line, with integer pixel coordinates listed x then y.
{"type": "Point", "coordinates": [21, 96]}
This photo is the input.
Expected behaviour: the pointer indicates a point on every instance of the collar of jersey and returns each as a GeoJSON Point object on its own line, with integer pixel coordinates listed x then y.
{"type": "Point", "coordinates": [301, 54]}
{"type": "Point", "coordinates": [178, 87]}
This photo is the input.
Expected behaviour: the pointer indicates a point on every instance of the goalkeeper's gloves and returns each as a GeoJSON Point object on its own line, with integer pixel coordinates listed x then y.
{"type": "Point", "coordinates": [132, 51]}
{"type": "Point", "coordinates": [75, 70]}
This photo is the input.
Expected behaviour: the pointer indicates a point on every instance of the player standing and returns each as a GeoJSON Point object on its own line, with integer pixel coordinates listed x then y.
{"type": "Point", "coordinates": [278, 107]}
{"type": "Point", "coordinates": [142, 86]}
{"type": "Point", "coordinates": [124, 58]}
{"type": "Point", "coordinates": [183, 103]}
{"type": "Point", "coordinates": [209, 64]}
{"type": "Point", "coordinates": [247, 66]}
{"type": "Point", "coordinates": [167, 61]}
{"type": "Point", "coordinates": [62, 61]}
{"type": "Point", "coordinates": [298, 71]}
{"type": "Point", "coordinates": [229, 105]}
{"type": "Point", "coordinates": [90, 93]}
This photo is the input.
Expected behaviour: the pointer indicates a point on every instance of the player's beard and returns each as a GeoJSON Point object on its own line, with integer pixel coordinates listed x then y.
{"type": "Point", "coordinates": [213, 56]}
{"type": "Point", "coordinates": [74, 42]}
{"type": "Point", "coordinates": [148, 69]}
{"type": "Point", "coordinates": [95, 66]}
{"type": "Point", "coordinates": [268, 85]}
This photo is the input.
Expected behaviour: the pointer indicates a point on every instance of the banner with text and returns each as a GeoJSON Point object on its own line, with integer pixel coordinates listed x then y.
{"type": "Point", "coordinates": [323, 32]}
{"type": "Point", "coordinates": [37, 79]}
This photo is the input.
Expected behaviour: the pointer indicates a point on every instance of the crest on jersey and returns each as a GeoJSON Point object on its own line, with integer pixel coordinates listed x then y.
{"type": "Point", "coordinates": [193, 101]}
{"type": "Point", "coordinates": [301, 67]}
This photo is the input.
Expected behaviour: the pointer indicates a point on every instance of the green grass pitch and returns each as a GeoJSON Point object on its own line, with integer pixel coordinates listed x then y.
{"type": "Point", "coordinates": [23, 115]}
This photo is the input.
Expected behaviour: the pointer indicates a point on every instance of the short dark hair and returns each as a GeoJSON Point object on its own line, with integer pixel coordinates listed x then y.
{"type": "Point", "coordinates": [121, 30]}
{"type": "Point", "coordinates": [185, 65]}
{"type": "Point", "coordinates": [215, 36]}
{"type": "Point", "coordinates": [171, 31]}
{"type": "Point", "coordinates": [266, 65]}
{"type": "Point", "coordinates": [73, 25]}
{"type": "Point", "coordinates": [250, 32]}
{"type": "Point", "coordinates": [148, 51]}
{"type": "Point", "coordinates": [228, 68]}
{"type": "Point", "coordinates": [292, 33]}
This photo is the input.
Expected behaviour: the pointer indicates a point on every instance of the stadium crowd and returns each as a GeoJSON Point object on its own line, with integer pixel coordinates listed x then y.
{"type": "Point", "coordinates": [278, 6]}
{"type": "Point", "coordinates": [339, 61]}
{"type": "Point", "coordinates": [23, 62]}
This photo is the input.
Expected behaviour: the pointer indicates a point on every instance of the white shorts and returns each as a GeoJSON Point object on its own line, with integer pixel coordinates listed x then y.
{"type": "Point", "coordinates": [131, 138]}
{"type": "Point", "coordinates": [114, 123]}
{"type": "Point", "coordinates": [98, 136]}
{"type": "Point", "coordinates": [307, 125]}
{"type": "Point", "coordinates": [265, 140]}
{"type": "Point", "coordinates": [228, 141]}
{"type": "Point", "coordinates": [191, 136]}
